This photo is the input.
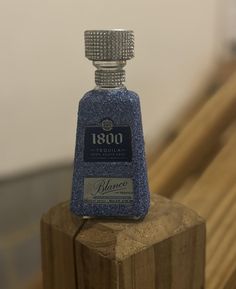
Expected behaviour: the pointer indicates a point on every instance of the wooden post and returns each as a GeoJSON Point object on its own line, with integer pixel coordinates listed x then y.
{"type": "Point", "coordinates": [166, 250]}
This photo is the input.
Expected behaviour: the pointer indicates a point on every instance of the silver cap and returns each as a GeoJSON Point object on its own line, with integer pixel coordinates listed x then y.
{"type": "Point", "coordinates": [109, 45]}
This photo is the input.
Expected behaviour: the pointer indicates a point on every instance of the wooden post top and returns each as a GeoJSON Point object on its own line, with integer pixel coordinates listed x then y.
{"type": "Point", "coordinates": [119, 239]}
{"type": "Point", "coordinates": [165, 250]}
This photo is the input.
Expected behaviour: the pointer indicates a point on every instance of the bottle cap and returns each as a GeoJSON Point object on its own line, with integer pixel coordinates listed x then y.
{"type": "Point", "coordinates": [109, 45]}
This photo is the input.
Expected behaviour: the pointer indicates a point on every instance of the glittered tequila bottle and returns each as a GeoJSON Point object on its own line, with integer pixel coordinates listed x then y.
{"type": "Point", "coordinates": [110, 176]}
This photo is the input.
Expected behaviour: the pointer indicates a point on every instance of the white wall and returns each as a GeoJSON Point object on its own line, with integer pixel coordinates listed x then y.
{"type": "Point", "coordinates": [43, 72]}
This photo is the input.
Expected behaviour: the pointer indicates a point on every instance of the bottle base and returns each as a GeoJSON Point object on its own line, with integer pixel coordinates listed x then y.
{"type": "Point", "coordinates": [109, 212]}
{"type": "Point", "coordinates": [138, 218]}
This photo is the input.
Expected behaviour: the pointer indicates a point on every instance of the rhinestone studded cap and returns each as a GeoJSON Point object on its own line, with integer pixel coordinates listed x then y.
{"type": "Point", "coordinates": [109, 50]}
{"type": "Point", "coordinates": [109, 78]}
{"type": "Point", "coordinates": [109, 45]}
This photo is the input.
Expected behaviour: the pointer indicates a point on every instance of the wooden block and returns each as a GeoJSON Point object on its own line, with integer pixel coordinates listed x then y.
{"type": "Point", "coordinates": [58, 230]}
{"type": "Point", "coordinates": [165, 250]}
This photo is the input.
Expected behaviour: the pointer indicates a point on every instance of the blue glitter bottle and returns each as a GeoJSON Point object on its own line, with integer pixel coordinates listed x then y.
{"type": "Point", "coordinates": [110, 175]}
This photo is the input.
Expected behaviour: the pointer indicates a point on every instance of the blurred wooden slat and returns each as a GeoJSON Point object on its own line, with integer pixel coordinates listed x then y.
{"type": "Point", "coordinates": [222, 261]}
{"type": "Point", "coordinates": [158, 145]}
{"type": "Point", "coordinates": [231, 281]}
{"type": "Point", "coordinates": [212, 197]}
{"type": "Point", "coordinates": [194, 141]}
{"type": "Point", "coordinates": [215, 182]}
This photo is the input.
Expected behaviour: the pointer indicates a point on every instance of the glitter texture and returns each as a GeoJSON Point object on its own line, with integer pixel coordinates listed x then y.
{"type": "Point", "coordinates": [123, 107]}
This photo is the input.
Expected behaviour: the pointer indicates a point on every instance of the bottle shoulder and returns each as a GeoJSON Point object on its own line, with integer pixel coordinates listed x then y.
{"type": "Point", "coordinates": [111, 95]}
{"type": "Point", "coordinates": [122, 106]}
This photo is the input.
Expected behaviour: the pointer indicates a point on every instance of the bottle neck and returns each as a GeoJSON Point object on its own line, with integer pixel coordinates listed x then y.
{"type": "Point", "coordinates": [109, 74]}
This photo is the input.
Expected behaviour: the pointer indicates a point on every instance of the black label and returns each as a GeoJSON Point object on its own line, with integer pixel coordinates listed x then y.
{"type": "Point", "coordinates": [107, 143]}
